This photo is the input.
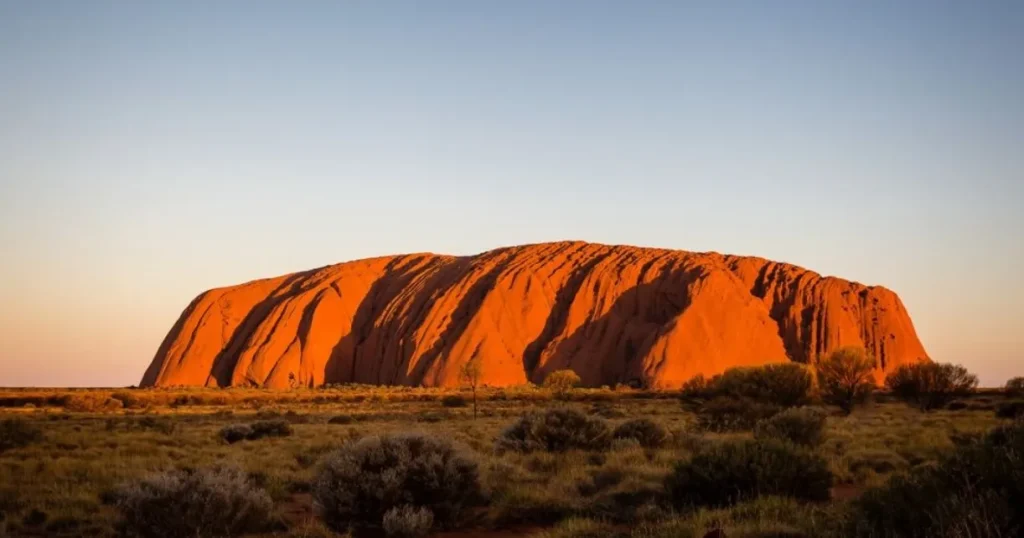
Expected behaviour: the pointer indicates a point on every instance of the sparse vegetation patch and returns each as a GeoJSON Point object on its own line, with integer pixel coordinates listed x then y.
{"type": "Point", "coordinates": [802, 426]}
{"type": "Point", "coordinates": [726, 473]}
{"type": "Point", "coordinates": [17, 433]}
{"type": "Point", "coordinates": [931, 385]}
{"type": "Point", "coordinates": [555, 430]}
{"type": "Point", "coordinates": [360, 483]}
{"type": "Point", "coordinates": [205, 503]}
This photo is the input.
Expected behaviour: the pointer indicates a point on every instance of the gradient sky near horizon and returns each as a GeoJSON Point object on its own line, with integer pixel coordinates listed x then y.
{"type": "Point", "coordinates": [152, 150]}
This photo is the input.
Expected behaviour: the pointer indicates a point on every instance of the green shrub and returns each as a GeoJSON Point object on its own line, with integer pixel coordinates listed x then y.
{"type": "Point", "coordinates": [1015, 386]}
{"type": "Point", "coordinates": [408, 521]}
{"type": "Point", "coordinates": [802, 425]}
{"type": "Point", "coordinates": [17, 432]}
{"type": "Point", "coordinates": [846, 377]}
{"type": "Point", "coordinates": [561, 381]}
{"type": "Point", "coordinates": [646, 432]}
{"type": "Point", "coordinates": [931, 385]}
{"type": "Point", "coordinates": [726, 473]}
{"type": "Point", "coordinates": [1013, 409]}
{"type": "Point", "coordinates": [696, 390]}
{"type": "Point", "coordinates": [740, 397]}
{"type": "Point", "coordinates": [85, 402]}
{"type": "Point", "coordinates": [454, 400]}
{"type": "Point", "coordinates": [976, 491]}
{"type": "Point", "coordinates": [783, 385]}
{"type": "Point", "coordinates": [129, 400]}
{"type": "Point", "coordinates": [204, 503]}
{"type": "Point", "coordinates": [361, 482]}
{"type": "Point", "coordinates": [725, 413]}
{"type": "Point", "coordinates": [555, 430]}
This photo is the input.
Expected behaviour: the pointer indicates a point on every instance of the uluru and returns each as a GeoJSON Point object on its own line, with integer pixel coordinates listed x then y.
{"type": "Point", "coordinates": [614, 314]}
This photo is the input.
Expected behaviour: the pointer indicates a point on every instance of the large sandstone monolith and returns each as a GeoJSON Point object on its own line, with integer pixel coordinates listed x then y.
{"type": "Point", "coordinates": [611, 313]}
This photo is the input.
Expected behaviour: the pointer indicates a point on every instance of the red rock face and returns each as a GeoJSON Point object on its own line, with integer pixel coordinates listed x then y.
{"type": "Point", "coordinates": [614, 314]}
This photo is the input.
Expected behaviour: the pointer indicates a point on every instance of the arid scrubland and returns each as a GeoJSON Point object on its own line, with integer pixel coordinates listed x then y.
{"type": "Point", "coordinates": [535, 462]}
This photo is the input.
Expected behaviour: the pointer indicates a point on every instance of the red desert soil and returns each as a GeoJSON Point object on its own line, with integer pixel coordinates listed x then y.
{"type": "Point", "coordinates": [611, 313]}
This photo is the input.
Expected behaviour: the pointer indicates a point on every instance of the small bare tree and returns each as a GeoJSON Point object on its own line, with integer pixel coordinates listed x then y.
{"type": "Point", "coordinates": [471, 373]}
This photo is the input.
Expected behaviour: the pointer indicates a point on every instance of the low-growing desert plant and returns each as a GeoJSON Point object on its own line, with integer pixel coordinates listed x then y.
{"type": "Point", "coordinates": [783, 385]}
{"type": "Point", "coordinates": [931, 385]}
{"type": "Point", "coordinates": [129, 400]}
{"type": "Point", "coordinates": [561, 381]}
{"type": "Point", "coordinates": [270, 428]}
{"type": "Point", "coordinates": [204, 503]}
{"type": "Point", "coordinates": [801, 425]}
{"type": "Point", "coordinates": [555, 430]}
{"type": "Point", "coordinates": [233, 433]}
{"type": "Point", "coordinates": [408, 521]}
{"type": "Point", "coordinates": [976, 491]}
{"type": "Point", "coordinates": [1011, 409]}
{"type": "Point", "coordinates": [606, 410]}
{"type": "Point", "coordinates": [957, 405]}
{"type": "Point", "coordinates": [164, 425]}
{"type": "Point", "coordinates": [1015, 386]}
{"type": "Point", "coordinates": [268, 414]}
{"type": "Point", "coordinates": [362, 481]}
{"type": "Point", "coordinates": [18, 432]}
{"type": "Point", "coordinates": [873, 460]}
{"type": "Point", "coordinates": [89, 402]}
{"type": "Point", "coordinates": [696, 390]}
{"type": "Point", "coordinates": [724, 413]}
{"type": "Point", "coordinates": [341, 419]}
{"type": "Point", "coordinates": [725, 473]}
{"type": "Point", "coordinates": [296, 418]}
{"type": "Point", "coordinates": [740, 397]}
{"type": "Point", "coordinates": [646, 432]}
{"type": "Point", "coordinates": [846, 377]}
{"type": "Point", "coordinates": [454, 400]}
{"type": "Point", "coordinates": [10, 502]}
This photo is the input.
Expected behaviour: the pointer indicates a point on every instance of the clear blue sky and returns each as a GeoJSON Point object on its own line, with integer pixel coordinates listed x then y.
{"type": "Point", "coordinates": [151, 150]}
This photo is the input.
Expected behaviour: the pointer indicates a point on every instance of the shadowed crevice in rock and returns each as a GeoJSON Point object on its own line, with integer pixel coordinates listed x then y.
{"type": "Point", "coordinates": [224, 364]}
{"type": "Point", "coordinates": [466, 309]}
{"type": "Point", "coordinates": [559, 312]}
{"type": "Point", "coordinates": [342, 364]}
